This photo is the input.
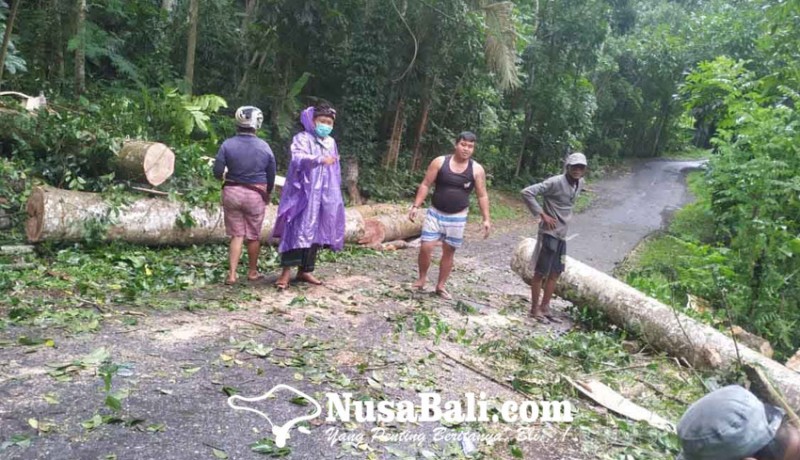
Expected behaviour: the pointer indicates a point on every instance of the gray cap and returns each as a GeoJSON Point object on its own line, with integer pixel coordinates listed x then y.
{"type": "Point", "coordinates": [727, 424]}
{"type": "Point", "coordinates": [576, 159]}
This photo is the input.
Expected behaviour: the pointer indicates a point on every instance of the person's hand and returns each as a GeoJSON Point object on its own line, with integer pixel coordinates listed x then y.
{"type": "Point", "coordinates": [487, 227]}
{"type": "Point", "coordinates": [328, 160]}
{"type": "Point", "coordinates": [549, 222]}
{"type": "Point", "coordinates": [412, 213]}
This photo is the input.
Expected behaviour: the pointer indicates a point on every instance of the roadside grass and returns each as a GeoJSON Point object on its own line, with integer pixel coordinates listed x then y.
{"type": "Point", "coordinates": [504, 206]}
{"type": "Point", "coordinates": [584, 201]}
{"type": "Point", "coordinates": [689, 153]}
{"type": "Point", "coordinates": [680, 262]}
{"type": "Point", "coordinates": [654, 264]}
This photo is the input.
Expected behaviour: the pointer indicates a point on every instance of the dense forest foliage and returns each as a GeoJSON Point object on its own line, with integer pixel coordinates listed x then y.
{"type": "Point", "coordinates": [534, 79]}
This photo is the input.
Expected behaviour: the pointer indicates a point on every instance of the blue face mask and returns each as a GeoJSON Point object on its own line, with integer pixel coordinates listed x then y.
{"type": "Point", "coordinates": [323, 130]}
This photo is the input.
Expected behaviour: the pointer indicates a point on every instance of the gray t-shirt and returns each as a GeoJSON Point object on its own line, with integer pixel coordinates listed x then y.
{"type": "Point", "coordinates": [558, 198]}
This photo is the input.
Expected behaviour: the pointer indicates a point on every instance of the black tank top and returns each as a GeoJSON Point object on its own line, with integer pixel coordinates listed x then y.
{"type": "Point", "coordinates": [452, 190]}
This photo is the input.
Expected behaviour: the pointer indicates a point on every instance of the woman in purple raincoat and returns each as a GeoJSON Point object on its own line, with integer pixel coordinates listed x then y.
{"type": "Point", "coordinates": [311, 212]}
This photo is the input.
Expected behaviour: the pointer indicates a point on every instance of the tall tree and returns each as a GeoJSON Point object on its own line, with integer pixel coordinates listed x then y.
{"type": "Point", "coordinates": [56, 66]}
{"type": "Point", "coordinates": [7, 37]}
{"type": "Point", "coordinates": [80, 48]}
{"type": "Point", "coordinates": [194, 13]}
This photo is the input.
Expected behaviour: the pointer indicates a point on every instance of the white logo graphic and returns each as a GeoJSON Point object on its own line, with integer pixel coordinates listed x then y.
{"type": "Point", "coordinates": [281, 432]}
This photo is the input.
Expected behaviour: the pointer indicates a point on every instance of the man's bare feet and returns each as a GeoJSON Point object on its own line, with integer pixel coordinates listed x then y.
{"type": "Point", "coordinates": [306, 277]}
{"type": "Point", "coordinates": [418, 285]}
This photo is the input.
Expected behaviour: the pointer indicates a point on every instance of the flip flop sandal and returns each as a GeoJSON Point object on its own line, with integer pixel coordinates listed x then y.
{"type": "Point", "coordinates": [315, 283]}
{"type": "Point", "coordinates": [541, 319]}
{"type": "Point", "coordinates": [553, 318]}
{"type": "Point", "coordinates": [444, 294]}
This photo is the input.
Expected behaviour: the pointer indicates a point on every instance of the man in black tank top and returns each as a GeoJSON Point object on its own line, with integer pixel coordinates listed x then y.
{"type": "Point", "coordinates": [455, 176]}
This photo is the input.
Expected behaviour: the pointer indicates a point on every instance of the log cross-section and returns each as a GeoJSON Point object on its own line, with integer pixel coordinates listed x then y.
{"type": "Point", "coordinates": [152, 162]}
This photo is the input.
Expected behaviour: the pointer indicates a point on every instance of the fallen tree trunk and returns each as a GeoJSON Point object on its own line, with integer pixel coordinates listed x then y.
{"type": "Point", "coordinates": [389, 227]}
{"type": "Point", "coordinates": [658, 324]}
{"type": "Point", "coordinates": [68, 216]}
{"type": "Point", "coordinates": [382, 209]}
{"type": "Point", "coordinates": [139, 161]}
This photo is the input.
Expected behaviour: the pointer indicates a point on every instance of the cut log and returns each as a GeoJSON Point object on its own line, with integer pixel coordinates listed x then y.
{"type": "Point", "coordinates": [32, 103]}
{"type": "Point", "coordinates": [657, 324]}
{"type": "Point", "coordinates": [16, 249]}
{"type": "Point", "coordinates": [398, 227]}
{"type": "Point", "coordinates": [68, 216]}
{"type": "Point", "coordinates": [139, 161]}
{"type": "Point", "coordinates": [389, 223]}
{"type": "Point", "coordinates": [64, 215]}
{"type": "Point", "coordinates": [382, 209]}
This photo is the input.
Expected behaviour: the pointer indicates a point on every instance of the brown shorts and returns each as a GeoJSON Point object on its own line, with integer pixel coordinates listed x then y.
{"type": "Point", "coordinates": [244, 212]}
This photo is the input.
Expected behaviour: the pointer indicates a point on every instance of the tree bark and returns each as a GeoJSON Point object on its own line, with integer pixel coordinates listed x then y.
{"type": "Point", "coordinates": [80, 50]}
{"type": "Point", "coordinates": [194, 12]}
{"type": "Point", "coordinates": [351, 182]}
{"type": "Point", "coordinates": [152, 162]}
{"type": "Point", "coordinates": [391, 226]}
{"type": "Point", "coordinates": [390, 160]}
{"type": "Point", "coordinates": [7, 37]}
{"type": "Point", "coordinates": [56, 41]}
{"type": "Point", "coordinates": [249, 56]}
{"type": "Point", "coordinates": [416, 159]}
{"type": "Point", "coordinates": [658, 324]}
{"type": "Point", "coordinates": [525, 133]}
{"type": "Point", "coordinates": [62, 215]}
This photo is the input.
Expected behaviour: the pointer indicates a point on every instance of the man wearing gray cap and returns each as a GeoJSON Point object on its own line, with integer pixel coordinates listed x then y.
{"type": "Point", "coordinates": [732, 424]}
{"type": "Point", "coordinates": [558, 195]}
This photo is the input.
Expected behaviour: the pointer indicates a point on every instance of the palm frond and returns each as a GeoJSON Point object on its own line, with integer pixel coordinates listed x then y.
{"type": "Point", "coordinates": [501, 41]}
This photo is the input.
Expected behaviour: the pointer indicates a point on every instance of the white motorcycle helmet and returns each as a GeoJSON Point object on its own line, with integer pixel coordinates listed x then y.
{"type": "Point", "coordinates": [248, 116]}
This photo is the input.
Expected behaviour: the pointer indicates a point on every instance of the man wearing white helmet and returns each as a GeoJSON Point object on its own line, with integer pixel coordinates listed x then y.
{"type": "Point", "coordinates": [246, 188]}
{"type": "Point", "coordinates": [558, 197]}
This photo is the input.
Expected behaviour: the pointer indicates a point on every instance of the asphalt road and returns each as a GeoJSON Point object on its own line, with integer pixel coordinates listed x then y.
{"type": "Point", "coordinates": [626, 209]}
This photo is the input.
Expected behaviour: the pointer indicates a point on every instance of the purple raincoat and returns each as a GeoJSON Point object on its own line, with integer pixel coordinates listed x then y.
{"type": "Point", "coordinates": [311, 209]}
